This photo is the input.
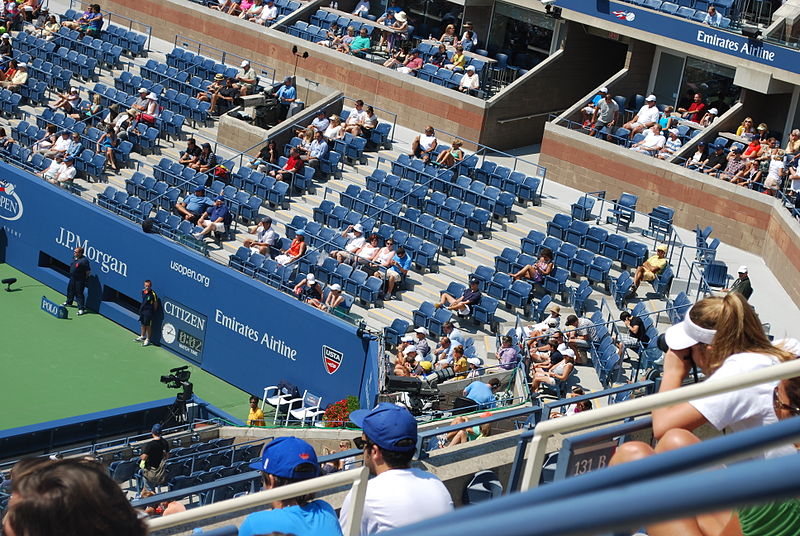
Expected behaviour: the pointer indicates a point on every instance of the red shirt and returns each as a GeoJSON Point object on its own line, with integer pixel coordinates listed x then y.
{"type": "Point", "coordinates": [697, 109]}
{"type": "Point", "coordinates": [293, 163]}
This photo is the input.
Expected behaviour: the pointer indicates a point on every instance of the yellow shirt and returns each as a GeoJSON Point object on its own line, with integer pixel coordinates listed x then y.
{"type": "Point", "coordinates": [461, 366]}
{"type": "Point", "coordinates": [256, 417]}
{"type": "Point", "coordinates": [458, 60]}
{"type": "Point", "coordinates": [657, 264]}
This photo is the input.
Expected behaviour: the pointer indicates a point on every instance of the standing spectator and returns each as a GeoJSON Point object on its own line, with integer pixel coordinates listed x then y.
{"type": "Point", "coordinates": [713, 17]}
{"type": "Point", "coordinates": [696, 110]}
{"type": "Point", "coordinates": [79, 271]}
{"type": "Point", "coordinates": [256, 416]}
{"type": "Point", "coordinates": [605, 115]}
{"type": "Point", "coordinates": [154, 458]}
{"type": "Point", "coordinates": [646, 117]}
{"type": "Point", "coordinates": [193, 206]}
{"type": "Point", "coordinates": [470, 81]}
{"type": "Point", "coordinates": [399, 494]}
{"type": "Point", "coordinates": [462, 305]}
{"type": "Point", "coordinates": [424, 144]}
{"type": "Point", "coordinates": [287, 460]}
{"type": "Point", "coordinates": [266, 237]}
{"type": "Point", "coordinates": [147, 310]}
{"type": "Point", "coordinates": [216, 218]}
{"type": "Point", "coordinates": [286, 94]}
{"type": "Point", "coordinates": [507, 355]}
{"type": "Point", "coordinates": [742, 284]}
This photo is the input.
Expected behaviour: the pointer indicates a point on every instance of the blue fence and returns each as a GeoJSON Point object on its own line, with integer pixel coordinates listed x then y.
{"type": "Point", "coordinates": [230, 325]}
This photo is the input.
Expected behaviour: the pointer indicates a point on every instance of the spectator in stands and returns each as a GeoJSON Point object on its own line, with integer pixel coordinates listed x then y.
{"type": "Point", "coordinates": [238, 7]}
{"type": "Point", "coordinates": [698, 158]}
{"type": "Point", "coordinates": [577, 407]}
{"type": "Point", "coordinates": [67, 497]}
{"type": "Point", "coordinates": [154, 458]}
{"type": "Point", "coordinates": [226, 94]}
{"type": "Point", "coordinates": [318, 149]}
{"type": "Point", "coordinates": [421, 342]}
{"type": "Point", "coordinates": [8, 73]}
{"type": "Point", "coordinates": [51, 173]}
{"type": "Point", "coordinates": [309, 290]}
{"type": "Point", "coordinates": [286, 94]}
{"type": "Point", "coordinates": [742, 284]}
{"type": "Point", "coordinates": [462, 305]}
{"type": "Point", "coordinates": [459, 437]}
{"type": "Point", "coordinates": [412, 63]}
{"type": "Point", "coordinates": [253, 11]}
{"type": "Point", "coordinates": [605, 115]}
{"type": "Point", "coordinates": [94, 23]}
{"type": "Point", "coordinates": [294, 164]}
{"type": "Point", "coordinates": [42, 17]}
{"type": "Point", "coordinates": [442, 355]}
{"type": "Point", "coordinates": [362, 8]}
{"type": "Point", "coordinates": [347, 38]}
{"type": "Point", "coordinates": [191, 154]}
{"type": "Point", "coordinates": [397, 270]}
{"type": "Point", "coordinates": [5, 46]}
{"type": "Point", "coordinates": [383, 258]}
{"type": "Point", "coordinates": [579, 338]}
{"type": "Point", "coordinates": [469, 36]}
{"type": "Point", "coordinates": [355, 118]}
{"type": "Point", "coordinates": [637, 334]}
{"type": "Point", "coordinates": [19, 79]}
{"type": "Point", "coordinates": [106, 144]}
{"type": "Point", "coordinates": [671, 146]}
{"type": "Point", "coordinates": [369, 122]}
{"type": "Point", "coordinates": [747, 129]}
{"type": "Point", "coordinates": [535, 332]}
{"type": "Point", "coordinates": [342, 464]}
{"type": "Point", "coordinates": [355, 240]}
{"type": "Point", "coordinates": [774, 178]}
{"type": "Point", "coordinates": [47, 141]}
{"type": "Point", "coordinates": [709, 117]}
{"type": "Point", "coordinates": [287, 460]}
{"type": "Point", "coordinates": [30, 9]}
{"type": "Point", "coordinates": [369, 251]}
{"type": "Point", "coordinates": [549, 354]}
{"type": "Point", "coordinates": [669, 118]}
{"type": "Point", "coordinates": [49, 29]}
{"type": "Point", "coordinates": [361, 44]}
{"type": "Point", "coordinates": [439, 58]}
{"type": "Point", "coordinates": [334, 299]}
{"type": "Point", "coordinates": [537, 272]}
{"type": "Point", "coordinates": [400, 33]}
{"type": "Point", "coordinates": [588, 111]}
{"type": "Point", "coordinates": [296, 249]}
{"type": "Point", "coordinates": [450, 157]}
{"type": "Point", "coordinates": [424, 144]}
{"type": "Point", "coordinates": [713, 17]}
{"type": "Point", "coordinates": [449, 37]}
{"type": "Point", "coordinates": [470, 81]}
{"type": "Point", "coordinates": [483, 393]}
{"type": "Point", "coordinates": [735, 166]}
{"type": "Point", "coordinates": [458, 60]}
{"type": "Point", "coordinates": [399, 494]}
{"type": "Point", "coordinates": [646, 117]}
{"type": "Point", "coordinates": [217, 84]}
{"type": "Point", "coordinates": [696, 110]}
{"type": "Point", "coordinates": [459, 363]}
{"type": "Point", "coordinates": [59, 147]}
{"type": "Point", "coordinates": [215, 219]}
{"type": "Point", "coordinates": [141, 103]}
{"type": "Point", "coordinates": [207, 159]}
{"type": "Point", "coordinates": [455, 335]}
{"type": "Point", "coordinates": [793, 146]}
{"type": "Point", "coordinates": [476, 369]}
{"type": "Point", "coordinates": [652, 143]}
{"type": "Point", "coordinates": [405, 358]}
{"type": "Point", "coordinates": [333, 36]}
{"type": "Point", "coordinates": [246, 79]}
{"type": "Point", "coordinates": [560, 372]}
{"type": "Point", "coordinates": [716, 161]}
{"type": "Point", "coordinates": [88, 112]}
{"type": "Point", "coordinates": [194, 205]}
{"type": "Point", "coordinates": [269, 14]}
{"type": "Point", "coordinates": [320, 121]}
{"type": "Point", "coordinates": [267, 155]}
{"type": "Point", "coordinates": [147, 310]}
{"type": "Point", "coordinates": [507, 355]}
{"type": "Point", "coordinates": [65, 173]}
{"type": "Point", "coordinates": [335, 130]}
{"type": "Point", "coordinates": [5, 139]}
{"type": "Point", "coordinates": [651, 268]}
{"type": "Point", "coordinates": [266, 237]}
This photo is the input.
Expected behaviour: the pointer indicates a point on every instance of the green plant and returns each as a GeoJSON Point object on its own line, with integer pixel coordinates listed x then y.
{"type": "Point", "coordinates": [338, 413]}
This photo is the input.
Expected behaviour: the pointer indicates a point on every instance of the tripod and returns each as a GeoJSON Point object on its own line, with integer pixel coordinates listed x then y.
{"type": "Point", "coordinates": [176, 413]}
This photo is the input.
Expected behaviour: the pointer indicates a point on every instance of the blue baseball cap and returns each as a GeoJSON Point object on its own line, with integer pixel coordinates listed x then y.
{"type": "Point", "coordinates": [282, 457]}
{"type": "Point", "coordinates": [156, 429]}
{"type": "Point", "coordinates": [219, 198]}
{"type": "Point", "coordinates": [386, 425]}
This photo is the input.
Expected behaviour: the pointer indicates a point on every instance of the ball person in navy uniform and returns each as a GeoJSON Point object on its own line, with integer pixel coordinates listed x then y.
{"type": "Point", "coordinates": [147, 310]}
{"type": "Point", "coordinates": [79, 270]}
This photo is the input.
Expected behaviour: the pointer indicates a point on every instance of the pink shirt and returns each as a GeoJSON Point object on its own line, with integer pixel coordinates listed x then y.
{"type": "Point", "coordinates": [416, 63]}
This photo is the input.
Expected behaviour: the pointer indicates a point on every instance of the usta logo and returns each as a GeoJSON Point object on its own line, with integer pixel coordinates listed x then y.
{"type": "Point", "coordinates": [10, 203]}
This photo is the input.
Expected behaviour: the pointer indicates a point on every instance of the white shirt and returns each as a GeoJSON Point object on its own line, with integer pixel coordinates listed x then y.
{"type": "Point", "coordinates": [53, 169]}
{"type": "Point", "coordinates": [474, 37]}
{"type": "Point", "coordinates": [268, 236]}
{"type": "Point", "coordinates": [471, 82]}
{"type": "Point", "coordinates": [400, 497]}
{"type": "Point", "coordinates": [355, 117]}
{"type": "Point", "coordinates": [362, 8]}
{"type": "Point", "coordinates": [65, 173]}
{"type": "Point", "coordinates": [62, 144]}
{"type": "Point", "coordinates": [269, 13]}
{"type": "Point", "coordinates": [369, 121]}
{"type": "Point", "coordinates": [648, 114]}
{"type": "Point", "coordinates": [426, 142]}
{"type": "Point", "coordinates": [355, 242]}
{"type": "Point", "coordinates": [367, 251]}
{"type": "Point", "coordinates": [651, 141]}
{"type": "Point", "coordinates": [713, 20]}
{"type": "Point", "coordinates": [745, 408]}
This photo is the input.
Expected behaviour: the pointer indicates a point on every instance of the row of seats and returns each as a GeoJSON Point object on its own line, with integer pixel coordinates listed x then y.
{"type": "Point", "coordinates": [133, 42]}
{"type": "Point", "coordinates": [182, 107]}
{"type": "Point", "coordinates": [45, 71]}
{"type": "Point", "coordinates": [595, 239]}
{"type": "Point", "coordinates": [169, 77]}
{"type": "Point", "coordinates": [432, 318]}
{"type": "Point", "coordinates": [105, 53]}
{"type": "Point", "coordinates": [200, 66]}
{"type": "Point", "coordinates": [685, 11]}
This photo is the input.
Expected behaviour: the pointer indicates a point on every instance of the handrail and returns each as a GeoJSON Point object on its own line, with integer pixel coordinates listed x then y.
{"type": "Point", "coordinates": [639, 406]}
{"type": "Point", "coordinates": [356, 477]}
{"type": "Point", "coordinates": [529, 116]}
{"type": "Point", "coordinates": [266, 70]}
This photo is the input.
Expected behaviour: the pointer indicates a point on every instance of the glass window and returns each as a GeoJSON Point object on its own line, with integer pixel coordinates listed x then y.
{"type": "Point", "coordinates": [432, 16]}
{"type": "Point", "coordinates": [713, 81]}
{"type": "Point", "coordinates": [524, 33]}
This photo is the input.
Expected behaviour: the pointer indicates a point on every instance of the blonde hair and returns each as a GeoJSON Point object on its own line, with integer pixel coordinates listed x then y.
{"type": "Point", "coordinates": [738, 328]}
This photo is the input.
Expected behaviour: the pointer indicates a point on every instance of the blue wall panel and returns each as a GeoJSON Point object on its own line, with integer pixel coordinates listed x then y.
{"type": "Point", "coordinates": [234, 327]}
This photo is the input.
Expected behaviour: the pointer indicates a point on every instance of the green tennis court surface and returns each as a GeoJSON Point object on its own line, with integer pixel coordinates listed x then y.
{"type": "Point", "coordinates": [53, 368]}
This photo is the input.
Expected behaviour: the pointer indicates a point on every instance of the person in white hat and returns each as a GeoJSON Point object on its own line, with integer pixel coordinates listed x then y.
{"type": "Point", "coordinates": [355, 241]}
{"type": "Point", "coordinates": [18, 79]}
{"type": "Point", "coordinates": [334, 299]}
{"type": "Point", "coordinates": [405, 364]}
{"type": "Point", "coordinates": [470, 81]}
{"type": "Point", "coordinates": [742, 284]}
{"type": "Point", "coordinates": [309, 290]}
{"type": "Point", "coordinates": [671, 146]}
{"type": "Point", "coordinates": [710, 116]}
{"type": "Point", "coordinates": [421, 342]}
{"type": "Point", "coordinates": [246, 79]}
{"type": "Point", "coordinates": [650, 269]}
{"type": "Point", "coordinates": [646, 117]}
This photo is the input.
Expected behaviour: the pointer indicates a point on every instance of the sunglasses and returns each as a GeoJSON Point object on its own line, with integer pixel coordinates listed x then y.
{"type": "Point", "coordinates": [362, 443]}
{"type": "Point", "coordinates": [778, 404]}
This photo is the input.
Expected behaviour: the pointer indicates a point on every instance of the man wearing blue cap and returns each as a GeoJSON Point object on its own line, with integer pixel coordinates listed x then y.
{"type": "Point", "coordinates": [193, 205]}
{"type": "Point", "coordinates": [287, 460]}
{"type": "Point", "coordinates": [399, 494]}
{"type": "Point", "coordinates": [216, 218]}
{"type": "Point", "coordinates": [154, 458]}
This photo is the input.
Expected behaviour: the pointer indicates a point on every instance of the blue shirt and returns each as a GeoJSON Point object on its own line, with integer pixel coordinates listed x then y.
{"type": "Point", "coordinates": [216, 212]}
{"type": "Point", "coordinates": [316, 518]}
{"type": "Point", "coordinates": [287, 92]}
{"type": "Point", "coordinates": [480, 393]}
{"type": "Point", "coordinates": [196, 204]}
{"type": "Point", "coordinates": [75, 149]}
{"type": "Point", "coordinates": [404, 262]}
{"type": "Point", "coordinates": [318, 149]}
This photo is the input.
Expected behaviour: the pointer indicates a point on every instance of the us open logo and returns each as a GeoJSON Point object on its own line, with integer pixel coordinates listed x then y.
{"type": "Point", "coordinates": [331, 358]}
{"type": "Point", "coordinates": [10, 203]}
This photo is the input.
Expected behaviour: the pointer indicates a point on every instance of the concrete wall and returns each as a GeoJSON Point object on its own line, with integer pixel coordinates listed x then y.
{"type": "Point", "coordinates": [740, 217]}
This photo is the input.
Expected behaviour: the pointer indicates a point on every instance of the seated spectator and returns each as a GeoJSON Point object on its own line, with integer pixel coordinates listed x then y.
{"type": "Point", "coordinates": [735, 166]}
{"type": "Point", "coordinates": [256, 416]}
{"type": "Point", "coordinates": [335, 130]}
{"type": "Point", "coordinates": [383, 259]}
{"type": "Point", "coordinates": [455, 335]}
{"type": "Point", "coordinates": [400, 33]}
{"type": "Point", "coordinates": [64, 174]}
{"type": "Point", "coordinates": [458, 60]}
{"type": "Point", "coordinates": [470, 81]}
{"type": "Point", "coordinates": [320, 121]}
{"type": "Point", "coordinates": [646, 117]}
{"type": "Point", "coordinates": [49, 29]}
{"type": "Point", "coordinates": [558, 373]}
{"type": "Point", "coordinates": [650, 269]}
{"type": "Point", "coordinates": [94, 24]}
{"type": "Point", "coordinates": [397, 270]}
{"type": "Point", "coordinates": [536, 332]}
{"type": "Point", "coordinates": [284, 461]}
{"type": "Point", "coordinates": [459, 364]}
{"type": "Point", "coordinates": [206, 160]}
{"type": "Point", "coordinates": [309, 290]}
{"type": "Point", "coordinates": [334, 299]}
{"type": "Point", "coordinates": [537, 272]}
{"type": "Point", "coordinates": [253, 11]}
{"type": "Point", "coordinates": [507, 355]}
{"type": "Point", "coordinates": [774, 178]}
{"type": "Point", "coordinates": [106, 144]}
{"type": "Point", "coordinates": [246, 79]}
{"type": "Point", "coordinates": [424, 144]}
{"type": "Point", "coordinates": [67, 101]}
{"type": "Point", "coordinates": [439, 58]}
{"type": "Point", "coordinates": [217, 218]}
{"type": "Point", "coordinates": [696, 110]}
{"type": "Point", "coordinates": [605, 115]}
{"type": "Point", "coordinates": [355, 240]}
{"type": "Point", "coordinates": [317, 149]}
{"type": "Point", "coordinates": [669, 118]}
{"type": "Point", "coordinates": [347, 38]}
{"type": "Point", "coordinates": [671, 146]}
{"type": "Point", "coordinates": [572, 409]}
{"type": "Point", "coordinates": [442, 355]}
{"type": "Point", "coordinates": [742, 284]}
{"type": "Point", "coordinates": [68, 496]}
{"type": "Point", "coordinates": [47, 141]}
{"type": "Point", "coordinates": [8, 73]}
{"type": "Point", "coordinates": [652, 143]}
{"type": "Point", "coordinates": [476, 369]}
{"type": "Point", "coordinates": [463, 304]}
{"type": "Point", "coordinates": [361, 44]}
{"type": "Point", "coordinates": [412, 63]}
{"type": "Point", "coordinates": [226, 94]}
{"type": "Point", "coordinates": [793, 146]}
{"type": "Point", "coordinates": [268, 154]}
{"type": "Point", "coordinates": [449, 36]}
{"type": "Point", "coordinates": [343, 464]}
{"type": "Point", "coordinates": [580, 337]}
{"type": "Point", "coordinates": [140, 104]}
{"type": "Point", "coordinates": [405, 358]}
{"type": "Point", "coordinates": [194, 205]}
{"type": "Point", "coordinates": [637, 334]}
{"type": "Point", "coordinates": [237, 8]}
{"type": "Point", "coordinates": [699, 157]}
{"type": "Point", "coordinates": [213, 87]}
{"type": "Point", "coordinates": [369, 122]}
{"type": "Point", "coordinates": [450, 157]}
{"type": "Point", "coordinates": [333, 36]}
{"type": "Point", "coordinates": [266, 237]}
{"type": "Point", "coordinates": [362, 8]}
{"type": "Point", "coordinates": [588, 111]}
{"type": "Point", "coordinates": [19, 79]}
{"type": "Point", "coordinates": [5, 140]}
{"type": "Point", "coordinates": [421, 342]}
{"type": "Point", "coordinates": [547, 354]}
{"type": "Point", "coordinates": [747, 129]}
{"type": "Point", "coordinates": [191, 154]}
{"type": "Point", "coordinates": [713, 17]}
{"type": "Point", "coordinates": [76, 24]}
{"type": "Point", "coordinates": [468, 41]}
{"type": "Point", "coordinates": [294, 164]}
{"type": "Point", "coordinates": [88, 112]}
{"type": "Point", "coordinates": [709, 117]}
{"type": "Point", "coordinates": [355, 118]}
{"type": "Point", "coordinates": [459, 437]}
{"type": "Point", "coordinates": [269, 14]}
{"type": "Point", "coordinates": [483, 393]}
{"type": "Point", "coordinates": [296, 249]}
{"type": "Point", "coordinates": [398, 58]}
{"type": "Point", "coordinates": [60, 147]}
{"type": "Point", "coordinates": [716, 161]}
